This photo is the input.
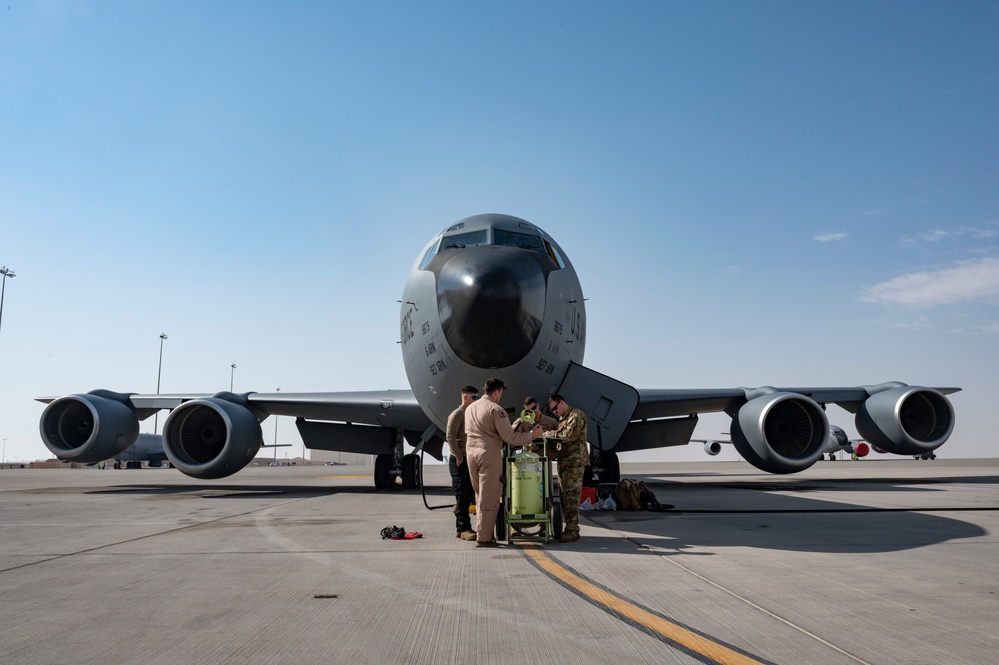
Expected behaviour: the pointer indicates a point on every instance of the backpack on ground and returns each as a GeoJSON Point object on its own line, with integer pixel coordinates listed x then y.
{"type": "Point", "coordinates": [647, 498]}
{"type": "Point", "coordinates": [627, 495]}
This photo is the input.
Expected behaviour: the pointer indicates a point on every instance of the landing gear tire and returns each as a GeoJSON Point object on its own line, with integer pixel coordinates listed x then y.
{"type": "Point", "coordinates": [612, 468]}
{"type": "Point", "coordinates": [411, 476]}
{"type": "Point", "coordinates": [383, 471]}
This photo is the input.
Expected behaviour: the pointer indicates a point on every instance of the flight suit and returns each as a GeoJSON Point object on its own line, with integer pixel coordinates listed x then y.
{"type": "Point", "coordinates": [573, 458]}
{"type": "Point", "coordinates": [486, 428]}
{"type": "Point", "coordinates": [461, 483]}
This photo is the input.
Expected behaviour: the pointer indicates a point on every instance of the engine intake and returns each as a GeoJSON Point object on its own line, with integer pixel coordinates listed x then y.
{"type": "Point", "coordinates": [212, 437]}
{"type": "Point", "coordinates": [906, 420]}
{"type": "Point", "coordinates": [89, 428]}
{"type": "Point", "coordinates": [780, 432]}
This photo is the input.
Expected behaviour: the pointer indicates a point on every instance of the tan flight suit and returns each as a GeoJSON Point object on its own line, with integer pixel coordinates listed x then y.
{"type": "Point", "coordinates": [461, 483]}
{"type": "Point", "coordinates": [486, 428]}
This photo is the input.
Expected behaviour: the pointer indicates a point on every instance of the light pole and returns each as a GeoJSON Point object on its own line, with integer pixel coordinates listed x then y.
{"type": "Point", "coordinates": [232, 376]}
{"type": "Point", "coordinates": [3, 458]}
{"type": "Point", "coordinates": [159, 373]}
{"type": "Point", "coordinates": [275, 433]}
{"type": "Point", "coordinates": [3, 287]}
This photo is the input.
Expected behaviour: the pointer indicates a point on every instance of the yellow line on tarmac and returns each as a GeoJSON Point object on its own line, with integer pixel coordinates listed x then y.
{"type": "Point", "coordinates": [667, 629]}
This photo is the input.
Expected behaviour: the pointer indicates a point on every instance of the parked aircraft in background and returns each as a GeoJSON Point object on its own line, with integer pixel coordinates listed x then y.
{"type": "Point", "coordinates": [712, 446]}
{"type": "Point", "coordinates": [837, 442]}
{"type": "Point", "coordinates": [147, 448]}
{"type": "Point", "coordinates": [494, 295]}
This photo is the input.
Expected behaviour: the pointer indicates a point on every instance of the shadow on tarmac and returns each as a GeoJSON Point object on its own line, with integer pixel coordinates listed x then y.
{"type": "Point", "coordinates": [765, 514]}
{"type": "Point", "coordinates": [781, 516]}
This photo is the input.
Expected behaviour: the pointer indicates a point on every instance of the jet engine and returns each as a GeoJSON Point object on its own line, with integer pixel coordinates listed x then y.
{"type": "Point", "coordinates": [213, 437]}
{"type": "Point", "coordinates": [89, 428]}
{"type": "Point", "coordinates": [712, 447]}
{"type": "Point", "coordinates": [906, 420]}
{"type": "Point", "coordinates": [780, 432]}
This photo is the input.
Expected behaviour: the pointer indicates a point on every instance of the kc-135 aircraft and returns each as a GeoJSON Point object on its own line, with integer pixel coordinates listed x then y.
{"type": "Point", "coordinates": [494, 295]}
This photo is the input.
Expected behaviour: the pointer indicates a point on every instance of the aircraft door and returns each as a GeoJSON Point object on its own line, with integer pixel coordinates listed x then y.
{"type": "Point", "coordinates": [607, 403]}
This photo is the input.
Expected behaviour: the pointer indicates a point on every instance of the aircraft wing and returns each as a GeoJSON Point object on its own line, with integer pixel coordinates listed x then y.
{"type": "Point", "coordinates": [212, 436]}
{"type": "Point", "coordinates": [387, 408]}
{"type": "Point", "coordinates": [654, 403]}
{"type": "Point", "coordinates": [784, 430]}
{"type": "Point", "coordinates": [671, 403]}
{"type": "Point", "coordinates": [779, 430]}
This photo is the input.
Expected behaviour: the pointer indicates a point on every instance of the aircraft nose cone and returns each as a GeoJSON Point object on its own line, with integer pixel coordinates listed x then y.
{"type": "Point", "coordinates": [491, 302]}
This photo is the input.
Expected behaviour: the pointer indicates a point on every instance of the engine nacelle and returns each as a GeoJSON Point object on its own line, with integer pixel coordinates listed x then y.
{"type": "Point", "coordinates": [906, 420]}
{"type": "Point", "coordinates": [712, 447]}
{"type": "Point", "coordinates": [89, 428]}
{"type": "Point", "coordinates": [212, 437]}
{"type": "Point", "coordinates": [862, 449]}
{"type": "Point", "coordinates": [780, 432]}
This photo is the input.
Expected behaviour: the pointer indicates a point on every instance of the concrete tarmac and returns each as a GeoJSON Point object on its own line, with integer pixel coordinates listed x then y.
{"type": "Point", "coordinates": [848, 562]}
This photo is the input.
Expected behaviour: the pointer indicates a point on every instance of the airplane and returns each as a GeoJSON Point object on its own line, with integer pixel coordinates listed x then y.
{"type": "Point", "coordinates": [838, 441]}
{"type": "Point", "coordinates": [712, 446]}
{"type": "Point", "coordinates": [147, 448]}
{"type": "Point", "coordinates": [494, 295]}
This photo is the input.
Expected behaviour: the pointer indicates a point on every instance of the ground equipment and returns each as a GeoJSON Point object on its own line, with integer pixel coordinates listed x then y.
{"type": "Point", "coordinates": [532, 507]}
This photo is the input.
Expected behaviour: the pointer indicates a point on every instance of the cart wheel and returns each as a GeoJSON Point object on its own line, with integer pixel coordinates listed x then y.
{"type": "Point", "coordinates": [557, 524]}
{"type": "Point", "coordinates": [501, 532]}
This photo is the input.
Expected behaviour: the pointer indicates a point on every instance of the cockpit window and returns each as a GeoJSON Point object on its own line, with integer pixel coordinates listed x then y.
{"type": "Point", "coordinates": [532, 242]}
{"type": "Point", "coordinates": [552, 252]}
{"type": "Point", "coordinates": [463, 240]}
{"type": "Point", "coordinates": [521, 240]}
{"type": "Point", "coordinates": [429, 255]}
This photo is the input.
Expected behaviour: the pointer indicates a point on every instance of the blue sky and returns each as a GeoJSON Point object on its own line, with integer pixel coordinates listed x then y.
{"type": "Point", "coordinates": [766, 193]}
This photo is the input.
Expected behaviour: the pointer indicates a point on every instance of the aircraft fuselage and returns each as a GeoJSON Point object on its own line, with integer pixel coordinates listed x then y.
{"type": "Point", "coordinates": [492, 295]}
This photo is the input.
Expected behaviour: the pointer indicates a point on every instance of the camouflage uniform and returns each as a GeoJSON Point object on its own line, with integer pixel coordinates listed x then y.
{"type": "Point", "coordinates": [573, 457]}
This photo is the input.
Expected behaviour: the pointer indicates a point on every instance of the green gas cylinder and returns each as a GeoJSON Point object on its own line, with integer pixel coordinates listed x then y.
{"type": "Point", "coordinates": [526, 485]}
